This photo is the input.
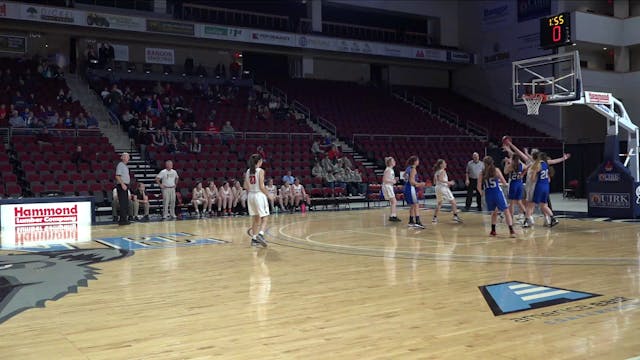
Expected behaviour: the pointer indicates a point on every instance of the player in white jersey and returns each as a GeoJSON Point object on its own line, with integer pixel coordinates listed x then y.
{"type": "Point", "coordinates": [257, 199]}
{"type": "Point", "coordinates": [286, 196]}
{"type": "Point", "coordinates": [198, 198]}
{"type": "Point", "coordinates": [273, 193]}
{"type": "Point", "coordinates": [388, 181]}
{"type": "Point", "coordinates": [211, 193]}
{"type": "Point", "coordinates": [443, 192]}
{"type": "Point", "coordinates": [299, 194]}
{"type": "Point", "coordinates": [239, 199]}
{"type": "Point", "coordinates": [225, 198]}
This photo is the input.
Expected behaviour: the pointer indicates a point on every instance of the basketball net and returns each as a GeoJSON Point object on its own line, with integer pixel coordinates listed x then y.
{"type": "Point", "coordinates": [533, 102]}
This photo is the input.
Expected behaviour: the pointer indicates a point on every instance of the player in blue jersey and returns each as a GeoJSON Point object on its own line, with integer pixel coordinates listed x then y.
{"type": "Point", "coordinates": [410, 194]}
{"type": "Point", "coordinates": [540, 168]}
{"type": "Point", "coordinates": [514, 171]}
{"type": "Point", "coordinates": [536, 173]}
{"type": "Point", "coordinates": [489, 181]}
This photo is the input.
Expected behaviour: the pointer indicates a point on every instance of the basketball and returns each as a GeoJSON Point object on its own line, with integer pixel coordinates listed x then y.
{"type": "Point", "coordinates": [506, 140]}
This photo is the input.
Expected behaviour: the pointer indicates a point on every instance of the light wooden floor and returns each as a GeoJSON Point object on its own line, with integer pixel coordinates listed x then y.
{"type": "Point", "coordinates": [344, 285]}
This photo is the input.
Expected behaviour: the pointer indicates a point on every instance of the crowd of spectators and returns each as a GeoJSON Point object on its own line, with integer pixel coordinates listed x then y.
{"type": "Point", "coordinates": [35, 96]}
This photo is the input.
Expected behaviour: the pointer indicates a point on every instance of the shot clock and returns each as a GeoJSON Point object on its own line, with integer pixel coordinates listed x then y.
{"type": "Point", "coordinates": [555, 31]}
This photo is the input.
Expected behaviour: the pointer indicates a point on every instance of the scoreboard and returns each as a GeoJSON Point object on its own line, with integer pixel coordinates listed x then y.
{"type": "Point", "coordinates": [555, 31]}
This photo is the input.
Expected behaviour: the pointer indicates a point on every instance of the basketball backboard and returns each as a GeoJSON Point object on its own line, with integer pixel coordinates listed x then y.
{"type": "Point", "coordinates": [556, 76]}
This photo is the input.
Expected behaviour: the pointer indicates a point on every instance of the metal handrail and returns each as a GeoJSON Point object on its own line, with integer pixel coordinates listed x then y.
{"type": "Point", "coordinates": [426, 138]}
{"type": "Point", "coordinates": [233, 11]}
{"type": "Point", "coordinates": [300, 107]}
{"type": "Point", "coordinates": [279, 93]}
{"type": "Point", "coordinates": [327, 125]}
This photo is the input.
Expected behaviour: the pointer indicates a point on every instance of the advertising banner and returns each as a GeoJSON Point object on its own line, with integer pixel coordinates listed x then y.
{"type": "Point", "coordinates": [170, 27]}
{"type": "Point", "coordinates": [271, 38]}
{"type": "Point", "coordinates": [109, 21]}
{"type": "Point", "coordinates": [222, 32]}
{"type": "Point", "coordinates": [13, 44]}
{"type": "Point", "coordinates": [9, 10]}
{"type": "Point", "coordinates": [53, 15]}
{"type": "Point", "coordinates": [612, 192]}
{"type": "Point", "coordinates": [26, 224]}
{"type": "Point", "coordinates": [159, 56]}
{"type": "Point", "coordinates": [429, 54]}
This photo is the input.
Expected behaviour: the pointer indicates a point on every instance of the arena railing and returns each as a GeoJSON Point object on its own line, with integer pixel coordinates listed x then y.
{"type": "Point", "coordinates": [10, 132]}
{"type": "Point", "coordinates": [224, 16]}
{"type": "Point", "coordinates": [242, 135]}
{"type": "Point", "coordinates": [327, 125]}
{"type": "Point", "coordinates": [403, 137]}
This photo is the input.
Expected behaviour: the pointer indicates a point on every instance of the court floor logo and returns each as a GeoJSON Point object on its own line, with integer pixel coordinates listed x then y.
{"type": "Point", "coordinates": [513, 296]}
{"type": "Point", "coordinates": [29, 280]}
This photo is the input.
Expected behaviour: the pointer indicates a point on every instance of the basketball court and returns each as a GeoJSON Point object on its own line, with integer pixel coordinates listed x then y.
{"type": "Point", "coordinates": [344, 282]}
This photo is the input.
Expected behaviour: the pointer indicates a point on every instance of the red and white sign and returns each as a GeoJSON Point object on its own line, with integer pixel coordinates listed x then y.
{"type": "Point", "coordinates": [159, 56]}
{"type": "Point", "coordinates": [41, 223]}
{"type": "Point", "coordinates": [593, 97]}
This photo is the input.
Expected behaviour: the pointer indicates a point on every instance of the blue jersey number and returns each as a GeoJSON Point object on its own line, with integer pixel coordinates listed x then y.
{"type": "Point", "coordinates": [544, 174]}
{"type": "Point", "coordinates": [490, 184]}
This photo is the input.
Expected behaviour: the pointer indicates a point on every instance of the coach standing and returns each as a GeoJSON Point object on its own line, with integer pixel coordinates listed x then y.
{"type": "Point", "coordinates": [168, 180]}
{"type": "Point", "coordinates": [123, 180]}
{"type": "Point", "coordinates": [474, 168]}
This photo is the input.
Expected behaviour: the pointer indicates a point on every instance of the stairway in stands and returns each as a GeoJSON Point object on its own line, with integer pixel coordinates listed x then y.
{"type": "Point", "coordinates": [91, 102]}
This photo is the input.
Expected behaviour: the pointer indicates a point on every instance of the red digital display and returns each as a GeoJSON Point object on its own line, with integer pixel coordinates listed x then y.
{"type": "Point", "coordinates": [555, 31]}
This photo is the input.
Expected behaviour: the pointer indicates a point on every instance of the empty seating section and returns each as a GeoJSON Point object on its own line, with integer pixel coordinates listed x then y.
{"type": "Point", "coordinates": [354, 109]}
{"type": "Point", "coordinates": [10, 186]}
{"type": "Point", "coordinates": [48, 167]}
{"type": "Point", "coordinates": [497, 124]}
{"type": "Point", "coordinates": [456, 153]}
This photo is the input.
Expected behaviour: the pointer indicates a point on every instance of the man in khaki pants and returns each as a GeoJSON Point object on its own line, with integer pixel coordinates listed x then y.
{"type": "Point", "coordinates": [168, 180]}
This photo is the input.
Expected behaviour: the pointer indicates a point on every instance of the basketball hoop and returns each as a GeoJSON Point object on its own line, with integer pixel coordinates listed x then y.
{"type": "Point", "coordinates": [533, 102]}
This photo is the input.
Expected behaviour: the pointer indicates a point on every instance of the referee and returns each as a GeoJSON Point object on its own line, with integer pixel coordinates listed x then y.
{"type": "Point", "coordinates": [474, 168]}
{"type": "Point", "coordinates": [123, 180]}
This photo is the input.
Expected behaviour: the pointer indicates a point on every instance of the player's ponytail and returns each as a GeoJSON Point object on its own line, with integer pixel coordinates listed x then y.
{"type": "Point", "coordinates": [253, 163]}
{"type": "Point", "coordinates": [489, 168]}
{"type": "Point", "coordinates": [438, 165]}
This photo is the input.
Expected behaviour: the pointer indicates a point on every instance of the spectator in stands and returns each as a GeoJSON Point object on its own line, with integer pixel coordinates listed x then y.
{"type": "Point", "coordinates": [16, 120]}
{"type": "Point", "coordinates": [3, 112]}
{"type": "Point", "coordinates": [30, 119]}
{"type": "Point", "coordinates": [195, 147]}
{"type": "Point", "coordinates": [18, 100]}
{"type": "Point", "coordinates": [92, 122]}
{"type": "Point", "coordinates": [346, 162]}
{"type": "Point", "coordinates": [212, 129]}
{"type": "Point", "coordinates": [62, 97]}
{"type": "Point", "coordinates": [167, 179]}
{"type": "Point", "coordinates": [333, 154]}
{"type": "Point", "coordinates": [288, 178]}
{"type": "Point", "coordinates": [228, 132]}
{"type": "Point", "coordinates": [357, 183]}
{"type": "Point", "coordinates": [140, 197]}
{"type": "Point", "coordinates": [315, 148]}
{"type": "Point", "coordinates": [68, 120]}
{"type": "Point", "coordinates": [317, 170]}
{"type": "Point", "coordinates": [81, 122]}
{"type": "Point", "coordinates": [159, 139]}
{"type": "Point", "coordinates": [105, 94]}
{"type": "Point", "coordinates": [474, 168]}
{"type": "Point", "coordinates": [78, 157]}
{"type": "Point", "coordinates": [52, 117]}
{"type": "Point", "coordinates": [126, 119]}
{"type": "Point", "coordinates": [174, 147]}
